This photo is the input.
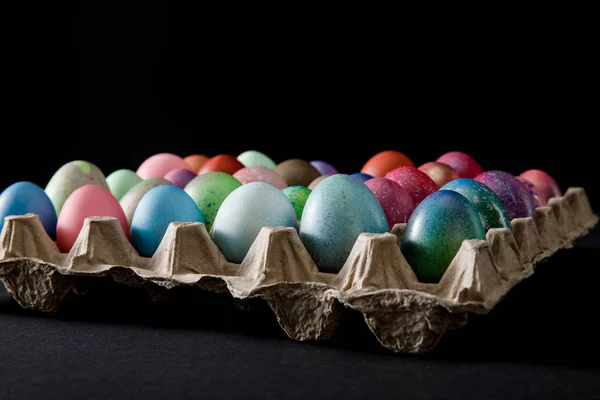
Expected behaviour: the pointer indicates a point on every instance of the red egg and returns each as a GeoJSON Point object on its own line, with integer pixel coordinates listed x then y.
{"type": "Point", "coordinates": [221, 163]}
{"type": "Point", "coordinates": [440, 173]}
{"type": "Point", "coordinates": [159, 164]}
{"type": "Point", "coordinates": [415, 182]}
{"type": "Point", "coordinates": [396, 202]}
{"type": "Point", "coordinates": [463, 163]}
{"type": "Point", "coordinates": [381, 163]}
{"type": "Point", "coordinates": [544, 184]}
{"type": "Point", "coordinates": [87, 201]}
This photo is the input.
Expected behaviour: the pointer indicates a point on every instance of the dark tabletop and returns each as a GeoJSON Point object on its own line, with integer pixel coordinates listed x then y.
{"type": "Point", "coordinates": [538, 342]}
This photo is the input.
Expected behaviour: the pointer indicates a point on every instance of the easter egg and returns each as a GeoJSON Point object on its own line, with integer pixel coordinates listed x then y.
{"type": "Point", "coordinates": [120, 181]}
{"type": "Point", "coordinates": [208, 192]}
{"type": "Point", "coordinates": [535, 196]}
{"type": "Point", "coordinates": [316, 181]}
{"type": "Point", "coordinates": [180, 177]}
{"type": "Point", "coordinates": [489, 206]}
{"type": "Point", "coordinates": [158, 165]}
{"type": "Point", "coordinates": [71, 176]}
{"type": "Point", "coordinates": [435, 232]}
{"type": "Point", "coordinates": [544, 184]}
{"type": "Point", "coordinates": [385, 161]}
{"type": "Point", "coordinates": [244, 213]}
{"type": "Point", "coordinates": [415, 182]}
{"type": "Point", "coordinates": [361, 177]}
{"type": "Point", "coordinates": [22, 198]}
{"type": "Point", "coordinates": [86, 201]}
{"type": "Point", "coordinates": [397, 204]}
{"type": "Point", "coordinates": [297, 172]}
{"type": "Point", "coordinates": [253, 158]}
{"type": "Point", "coordinates": [221, 163]}
{"type": "Point", "coordinates": [439, 173]}
{"type": "Point", "coordinates": [513, 194]}
{"type": "Point", "coordinates": [297, 195]}
{"type": "Point", "coordinates": [324, 167]}
{"type": "Point", "coordinates": [155, 212]}
{"type": "Point", "coordinates": [464, 164]}
{"type": "Point", "coordinates": [260, 174]}
{"type": "Point", "coordinates": [131, 199]}
{"type": "Point", "coordinates": [196, 161]}
{"type": "Point", "coordinates": [337, 211]}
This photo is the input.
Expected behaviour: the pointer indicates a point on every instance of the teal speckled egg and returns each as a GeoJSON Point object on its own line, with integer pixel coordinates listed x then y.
{"type": "Point", "coordinates": [338, 210]}
{"type": "Point", "coordinates": [297, 196]}
{"type": "Point", "coordinates": [120, 181]}
{"type": "Point", "coordinates": [435, 232]}
{"type": "Point", "coordinates": [489, 206]}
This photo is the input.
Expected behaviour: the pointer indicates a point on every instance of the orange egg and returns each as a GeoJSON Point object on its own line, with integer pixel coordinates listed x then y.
{"type": "Point", "coordinates": [382, 163]}
{"type": "Point", "coordinates": [196, 161]}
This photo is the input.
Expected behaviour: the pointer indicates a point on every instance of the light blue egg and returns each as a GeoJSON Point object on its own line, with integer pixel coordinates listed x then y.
{"type": "Point", "coordinates": [244, 213]}
{"type": "Point", "coordinates": [25, 197]}
{"type": "Point", "coordinates": [156, 210]}
{"type": "Point", "coordinates": [337, 211]}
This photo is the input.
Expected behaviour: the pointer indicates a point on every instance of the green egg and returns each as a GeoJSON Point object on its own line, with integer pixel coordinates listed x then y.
{"type": "Point", "coordinates": [253, 158]}
{"type": "Point", "coordinates": [297, 195]}
{"type": "Point", "coordinates": [120, 181]}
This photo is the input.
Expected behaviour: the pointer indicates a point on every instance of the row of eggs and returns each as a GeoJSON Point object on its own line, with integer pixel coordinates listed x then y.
{"type": "Point", "coordinates": [443, 202]}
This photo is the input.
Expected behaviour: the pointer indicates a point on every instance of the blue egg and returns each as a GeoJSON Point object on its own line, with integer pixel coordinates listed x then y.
{"type": "Point", "coordinates": [25, 197]}
{"type": "Point", "coordinates": [361, 176]}
{"type": "Point", "coordinates": [156, 210]}
{"type": "Point", "coordinates": [245, 212]}
{"type": "Point", "coordinates": [337, 211]}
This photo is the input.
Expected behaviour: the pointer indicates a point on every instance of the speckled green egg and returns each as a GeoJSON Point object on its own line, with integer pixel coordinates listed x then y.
{"type": "Point", "coordinates": [297, 196]}
{"type": "Point", "coordinates": [489, 206]}
{"type": "Point", "coordinates": [209, 190]}
{"type": "Point", "coordinates": [71, 177]}
{"type": "Point", "coordinates": [253, 158]}
{"type": "Point", "coordinates": [120, 181]}
{"type": "Point", "coordinates": [132, 198]}
{"type": "Point", "coordinates": [435, 232]}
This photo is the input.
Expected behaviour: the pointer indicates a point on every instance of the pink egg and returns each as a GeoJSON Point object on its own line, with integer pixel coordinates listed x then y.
{"type": "Point", "coordinates": [416, 182]}
{"type": "Point", "coordinates": [543, 183]}
{"type": "Point", "coordinates": [87, 201]}
{"type": "Point", "coordinates": [439, 172]}
{"type": "Point", "coordinates": [158, 165]}
{"type": "Point", "coordinates": [260, 174]}
{"type": "Point", "coordinates": [395, 201]}
{"type": "Point", "coordinates": [180, 177]}
{"type": "Point", "coordinates": [462, 163]}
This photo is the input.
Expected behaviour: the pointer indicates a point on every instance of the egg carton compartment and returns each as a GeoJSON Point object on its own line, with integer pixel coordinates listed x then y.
{"type": "Point", "coordinates": [376, 280]}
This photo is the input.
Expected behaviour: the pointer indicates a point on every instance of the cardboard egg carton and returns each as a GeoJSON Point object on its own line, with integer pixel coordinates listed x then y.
{"type": "Point", "coordinates": [376, 280]}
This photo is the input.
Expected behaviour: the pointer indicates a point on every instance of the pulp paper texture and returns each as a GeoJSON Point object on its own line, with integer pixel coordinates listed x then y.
{"type": "Point", "coordinates": [376, 280]}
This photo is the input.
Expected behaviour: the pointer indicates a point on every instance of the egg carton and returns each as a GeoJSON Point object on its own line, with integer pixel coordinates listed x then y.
{"type": "Point", "coordinates": [376, 280]}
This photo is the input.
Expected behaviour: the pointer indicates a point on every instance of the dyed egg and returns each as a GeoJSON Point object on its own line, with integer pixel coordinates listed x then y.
{"type": "Point", "coordinates": [513, 194]}
{"type": "Point", "coordinates": [297, 195]}
{"type": "Point", "coordinates": [415, 182]}
{"type": "Point", "coordinates": [71, 176]}
{"type": "Point", "coordinates": [260, 174]}
{"type": "Point", "coordinates": [464, 164]}
{"type": "Point", "coordinates": [86, 201]}
{"type": "Point", "coordinates": [253, 158]}
{"type": "Point", "coordinates": [382, 163]}
{"type": "Point", "coordinates": [208, 192]}
{"type": "Point", "coordinates": [544, 184]}
{"type": "Point", "coordinates": [297, 172]}
{"type": "Point", "coordinates": [395, 201]}
{"type": "Point", "coordinates": [435, 232]}
{"type": "Point", "coordinates": [180, 177]}
{"type": "Point", "coordinates": [25, 197]}
{"type": "Point", "coordinates": [439, 173]}
{"type": "Point", "coordinates": [535, 196]}
{"type": "Point", "coordinates": [244, 213]}
{"type": "Point", "coordinates": [159, 164]}
{"type": "Point", "coordinates": [315, 182]}
{"type": "Point", "coordinates": [324, 168]}
{"type": "Point", "coordinates": [157, 209]}
{"type": "Point", "coordinates": [489, 206]}
{"type": "Point", "coordinates": [196, 161]}
{"type": "Point", "coordinates": [120, 181]}
{"type": "Point", "coordinates": [361, 177]}
{"type": "Point", "coordinates": [338, 210]}
{"type": "Point", "coordinates": [131, 199]}
{"type": "Point", "coordinates": [221, 163]}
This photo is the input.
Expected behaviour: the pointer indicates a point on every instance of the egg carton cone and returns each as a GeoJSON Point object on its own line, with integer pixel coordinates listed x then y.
{"type": "Point", "coordinates": [376, 280]}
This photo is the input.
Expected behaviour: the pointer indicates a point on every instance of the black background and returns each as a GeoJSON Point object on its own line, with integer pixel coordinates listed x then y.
{"type": "Point", "coordinates": [114, 83]}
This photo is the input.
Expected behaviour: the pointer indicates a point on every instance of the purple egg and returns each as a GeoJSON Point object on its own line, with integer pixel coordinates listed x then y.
{"type": "Point", "coordinates": [535, 196]}
{"type": "Point", "coordinates": [514, 195]}
{"type": "Point", "coordinates": [361, 176]}
{"type": "Point", "coordinates": [324, 168]}
{"type": "Point", "coordinates": [180, 177]}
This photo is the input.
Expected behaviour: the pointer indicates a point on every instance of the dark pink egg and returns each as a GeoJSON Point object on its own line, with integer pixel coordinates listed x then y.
{"type": "Point", "coordinates": [180, 177]}
{"type": "Point", "coordinates": [417, 183]}
{"type": "Point", "coordinates": [395, 201]}
{"type": "Point", "coordinates": [544, 184]}
{"type": "Point", "coordinates": [462, 163]}
{"type": "Point", "coordinates": [514, 195]}
{"type": "Point", "coordinates": [535, 196]}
